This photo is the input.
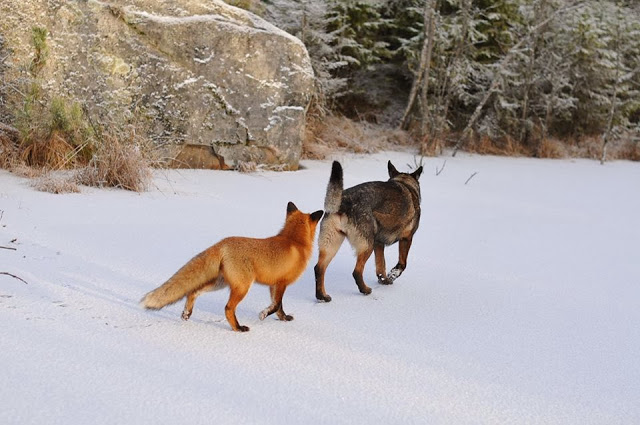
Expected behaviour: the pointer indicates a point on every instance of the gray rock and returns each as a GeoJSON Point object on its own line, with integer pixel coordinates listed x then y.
{"type": "Point", "coordinates": [202, 76]}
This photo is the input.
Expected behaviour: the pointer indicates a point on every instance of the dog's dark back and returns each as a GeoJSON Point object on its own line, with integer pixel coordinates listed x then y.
{"type": "Point", "coordinates": [384, 209]}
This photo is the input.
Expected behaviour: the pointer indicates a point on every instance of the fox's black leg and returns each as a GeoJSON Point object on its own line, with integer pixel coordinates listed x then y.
{"type": "Point", "coordinates": [237, 294]}
{"type": "Point", "coordinates": [188, 305]}
{"type": "Point", "coordinates": [277, 292]}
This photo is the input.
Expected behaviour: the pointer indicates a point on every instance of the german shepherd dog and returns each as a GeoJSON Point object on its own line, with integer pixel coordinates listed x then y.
{"type": "Point", "coordinates": [371, 216]}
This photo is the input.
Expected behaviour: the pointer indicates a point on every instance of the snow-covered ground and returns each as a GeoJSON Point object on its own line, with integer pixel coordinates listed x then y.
{"type": "Point", "coordinates": [520, 303]}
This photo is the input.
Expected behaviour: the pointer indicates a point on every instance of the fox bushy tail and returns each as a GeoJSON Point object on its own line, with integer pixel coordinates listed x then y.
{"type": "Point", "coordinates": [200, 270]}
{"type": "Point", "coordinates": [333, 199]}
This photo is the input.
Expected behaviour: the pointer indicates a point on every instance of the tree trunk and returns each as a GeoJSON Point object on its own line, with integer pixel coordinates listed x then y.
{"type": "Point", "coordinates": [466, 11]}
{"type": "Point", "coordinates": [425, 63]}
{"type": "Point", "coordinates": [614, 100]}
{"type": "Point", "coordinates": [524, 128]}
{"type": "Point", "coordinates": [427, 70]}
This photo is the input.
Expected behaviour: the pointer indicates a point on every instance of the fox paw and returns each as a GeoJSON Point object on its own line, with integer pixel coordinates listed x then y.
{"type": "Point", "coordinates": [263, 314]}
{"type": "Point", "coordinates": [186, 315]}
{"type": "Point", "coordinates": [383, 280]}
{"type": "Point", "coordinates": [242, 328]}
{"type": "Point", "coordinates": [287, 318]}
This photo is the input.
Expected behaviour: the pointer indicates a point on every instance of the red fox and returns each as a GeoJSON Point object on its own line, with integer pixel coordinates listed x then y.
{"type": "Point", "coordinates": [237, 262]}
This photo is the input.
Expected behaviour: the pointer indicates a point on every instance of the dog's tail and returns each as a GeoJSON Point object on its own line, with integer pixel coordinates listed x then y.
{"type": "Point", "coordinates": [200, 270]}
{"type": "Point", "coordinates": [333, 199]}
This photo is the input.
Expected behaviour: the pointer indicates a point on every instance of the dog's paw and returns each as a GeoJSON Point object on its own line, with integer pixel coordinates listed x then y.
{"type": "Point", "coordinates": [383, 280]}
{"type": "Point", "coordinates": [325, 298]}
{"type": "Point", "coordinates": [365, 290]}
{"type": "Point", "coordinates": [394, 274]}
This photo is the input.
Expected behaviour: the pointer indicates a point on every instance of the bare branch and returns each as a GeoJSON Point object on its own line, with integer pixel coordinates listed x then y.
{"type": "Point", "coordinates": [425, 62]}
{"type": "Point", "coordinates": [440, 171]}
{"type": "Point", "coordinates": [470, 177]}
{"type": "Point", "coordinates": [15, 277]}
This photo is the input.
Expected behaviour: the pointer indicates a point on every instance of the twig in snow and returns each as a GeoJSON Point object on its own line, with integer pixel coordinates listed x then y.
{"type": "Point", "coordinates": [440, 170]}
{"type": "Point", "coordinates": [471, 176]}
{"type": "Point", "coordinates": [8, 247]}
{"type": "Point", "coordinates": [14, 276]}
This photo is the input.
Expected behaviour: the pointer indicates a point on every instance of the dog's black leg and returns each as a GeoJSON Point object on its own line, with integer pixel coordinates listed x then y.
{"type": "Point", "coordinates": [378, 250]}
{"type": "Point", "coordinates": [357, 272]}
{"type": "Point", "coordinates": [321, 295]}
{"type": "Point", "coordinates": [395, 272]}
{"type": "Point", "coordinates": [404, 246]}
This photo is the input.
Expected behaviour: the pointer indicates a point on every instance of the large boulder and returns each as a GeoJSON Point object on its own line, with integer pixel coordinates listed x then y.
{"type": "Point", "coordinates": [213, 84]}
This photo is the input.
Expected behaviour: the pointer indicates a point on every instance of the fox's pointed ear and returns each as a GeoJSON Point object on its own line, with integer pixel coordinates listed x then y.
{"type": "Point", "coordinates": [416, 174]}
{"type": "Point", "coordinates": [291, 207]}
{"type": "Point", "coordinates": [392, 170]}
{"type": "Point", "coordinates": [317, 215]}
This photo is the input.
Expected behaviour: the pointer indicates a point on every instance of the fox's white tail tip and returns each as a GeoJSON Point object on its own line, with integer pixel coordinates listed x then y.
{"type": "Point", "coordinates": [150, 303]}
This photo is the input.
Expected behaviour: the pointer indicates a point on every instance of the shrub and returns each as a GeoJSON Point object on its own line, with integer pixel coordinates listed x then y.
{"type": "Point", "coordinates": [116, 164]}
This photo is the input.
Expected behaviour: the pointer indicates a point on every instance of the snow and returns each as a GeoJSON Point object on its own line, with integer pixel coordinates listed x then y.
{"type": "Point", "coordinates": [229, 17]}
{"type": "Point", "coordinates": [519, 303]}
{"type": "Point", "coordinates": [187, 82]}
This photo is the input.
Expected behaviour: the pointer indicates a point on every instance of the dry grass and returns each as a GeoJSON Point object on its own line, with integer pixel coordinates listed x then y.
{"type": "Point", "coordinates": [552, 148]}
{"type": "Point", "coordinates": [252, 167]}
{"type": "Point", "coordinates": [328, 134]}
{"type": "Point", "coordinates": [432, 146]}
{"type": "Point", "coordinates": [23, 170]}
{"type": "Point", "coordinates": [9, 137]}
{"type": "Point", "coordinates": [627, 150]}
{"type": "Point", "coordinates": [53, 152]}
{"type": "Point", "coordinates": [116, 164]}
{"type": "Point", "coordinates": [506, 146]}
{"type": "Point", "coordinates": [56, 184]}
{"type": "Point", "coordinates": [584, 147]}
{"type": "Point", "coordinates": [246, 166]}
{"type": "Point", "coordinates": [623, 148]}
{"type": "Point", "coordinates": [8, 152]}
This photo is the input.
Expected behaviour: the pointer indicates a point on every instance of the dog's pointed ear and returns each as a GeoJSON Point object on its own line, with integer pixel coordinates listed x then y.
{"type": "Point", "coordinates": [291, 207]}
{"type": "Point", "coordinates": [316, 216]}
{"type": "Point", "coordinates": [416, 174]}
{"type": "Point", "coordinates": [392, 170]}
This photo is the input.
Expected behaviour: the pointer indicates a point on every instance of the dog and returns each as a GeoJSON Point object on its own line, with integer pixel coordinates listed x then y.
{"type": "Point", "coordinates": [371, 216]}
{"type": "Point", "coordinates": [237, 262]}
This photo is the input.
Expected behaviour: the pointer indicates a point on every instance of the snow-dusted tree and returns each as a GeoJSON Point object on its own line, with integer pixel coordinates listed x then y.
{"type": "Point", "coordinates": [623, 97]}
{"type": "Point", "coordinates": [306, 19]}
{"type": "Point", "coordinates": [602, 49]}
{"type": "Point", "coordinates": [356, 27]}
{"type": "Point", "coordinates": [455, 75]}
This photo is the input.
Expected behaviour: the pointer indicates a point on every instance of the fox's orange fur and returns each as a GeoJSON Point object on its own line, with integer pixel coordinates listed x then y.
{"type": "Point", "coordinates": [237, 262]}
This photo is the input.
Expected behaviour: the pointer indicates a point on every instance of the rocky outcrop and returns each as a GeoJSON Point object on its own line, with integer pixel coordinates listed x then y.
{"type": "Point", "coordinates": [199, 75]}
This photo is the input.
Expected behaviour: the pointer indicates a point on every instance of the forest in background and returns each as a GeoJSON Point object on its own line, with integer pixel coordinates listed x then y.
{"type": "Point", "coordinates": [541, 78]}
{"type": "Point", "coordinates": [546, 78]}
